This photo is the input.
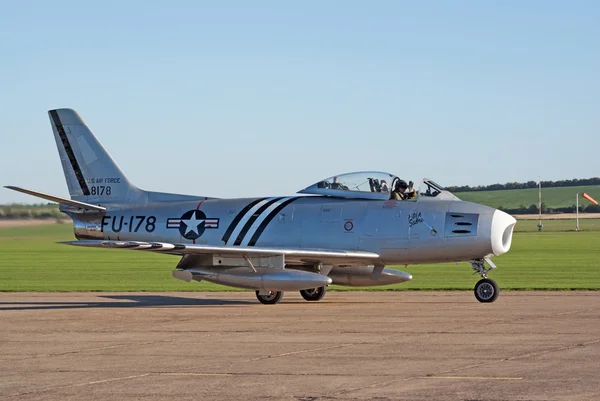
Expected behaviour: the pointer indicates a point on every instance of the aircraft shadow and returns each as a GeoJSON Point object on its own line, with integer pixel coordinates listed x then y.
{"type": "Point", "coordinates": [137, 301]}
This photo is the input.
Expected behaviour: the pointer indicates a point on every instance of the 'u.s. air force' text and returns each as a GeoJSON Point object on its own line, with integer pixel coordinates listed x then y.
{"type": "Point", "coordinates": [103, 180]}
{"type": "Point", "coordinates": [133, 224]}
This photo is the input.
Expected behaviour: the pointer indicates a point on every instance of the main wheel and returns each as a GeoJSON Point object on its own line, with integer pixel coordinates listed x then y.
{"type": "Point", "coordinates": [314, 294]}
{"type": "Point", "coordinates": [486, 290]}
{"type": "Point", "coordinates": [272, 297]}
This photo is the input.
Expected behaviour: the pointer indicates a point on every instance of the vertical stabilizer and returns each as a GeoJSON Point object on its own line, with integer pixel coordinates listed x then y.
{"type": "Point", "coordinates": [92, 175]}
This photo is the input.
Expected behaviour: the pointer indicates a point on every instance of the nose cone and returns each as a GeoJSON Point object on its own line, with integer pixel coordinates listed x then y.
{"type": "Point", "coordinates": [502, 230]}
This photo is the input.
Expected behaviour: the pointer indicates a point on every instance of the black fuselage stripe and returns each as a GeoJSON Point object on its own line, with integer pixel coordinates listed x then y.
{"type": "Point", "coordinates": [69, 150]}
{"type": "Point", "coordinates": [267, 220]}
{"type": "Point", "coordinates": [238, 218]}
{"type": "Point", "coordinates": [252, 219]}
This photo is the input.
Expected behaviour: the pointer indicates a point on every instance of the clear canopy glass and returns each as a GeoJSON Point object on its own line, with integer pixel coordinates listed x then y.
{"type": "Point", "coordinates": [370, 185]}
{"type": "Point", "coordinates": [362, 184]}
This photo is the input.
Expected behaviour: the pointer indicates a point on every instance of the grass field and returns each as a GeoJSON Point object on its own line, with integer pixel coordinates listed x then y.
{"type": "Point", "coordinates": [515, 198]}
{"type": "Point", "coordinates": [19, 211]}
{"type": "Point", "coordinates": [32, 261]}
{"type": "Point", "coordinates": [565, 225]}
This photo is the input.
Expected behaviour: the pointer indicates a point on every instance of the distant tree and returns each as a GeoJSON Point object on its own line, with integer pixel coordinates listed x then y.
{"type": "Point", "coordinates": [528, 184]}
{"type": "Point", "coordinates": [24, 214]}
{"type": "Point", "coordinates": [531, 184]}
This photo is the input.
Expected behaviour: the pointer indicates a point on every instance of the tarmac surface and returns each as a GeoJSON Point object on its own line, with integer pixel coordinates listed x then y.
{"type": "Point", "coordinates": [350, 346]}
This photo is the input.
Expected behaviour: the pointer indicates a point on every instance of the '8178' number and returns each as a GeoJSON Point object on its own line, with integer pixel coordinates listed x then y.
{"type": "Point", "coordinates": [99, 190]}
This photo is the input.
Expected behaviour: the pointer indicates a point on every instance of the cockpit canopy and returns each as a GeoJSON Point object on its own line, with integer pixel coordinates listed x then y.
{"type": "Point", "coordinates": [375, 185]}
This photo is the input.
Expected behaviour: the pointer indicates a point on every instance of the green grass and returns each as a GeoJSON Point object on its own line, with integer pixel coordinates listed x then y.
{"type": "Point", "coordinates": [515, 198]}
{"type": "Point", "coordinates": [30, 260]}
{"type": "Point", "coordinates": [558, 225]}
{"type": "Point", "coordinates": [24, 211]}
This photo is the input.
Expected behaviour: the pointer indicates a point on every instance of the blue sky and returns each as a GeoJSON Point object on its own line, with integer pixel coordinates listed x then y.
{"type": "Point", "coordinates": [238, 98]}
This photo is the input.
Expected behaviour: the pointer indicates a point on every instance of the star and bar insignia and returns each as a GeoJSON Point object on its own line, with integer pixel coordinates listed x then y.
{"type": "Point", "coordinates": [192, 224]}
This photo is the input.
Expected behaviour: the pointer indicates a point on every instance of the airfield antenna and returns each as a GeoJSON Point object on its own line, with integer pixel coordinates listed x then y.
{"type": "Point", "coordinates": [540, 203]}
{"type": "Point", "coordinates": [577, 208]}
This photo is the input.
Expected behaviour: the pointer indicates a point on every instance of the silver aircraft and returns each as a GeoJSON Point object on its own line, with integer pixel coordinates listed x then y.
{"type": "Point", "coordinates": [342, 230]}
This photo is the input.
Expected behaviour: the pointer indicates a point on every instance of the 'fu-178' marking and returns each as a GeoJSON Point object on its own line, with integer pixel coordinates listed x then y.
{"type": "Point", "coordinates": [132, 225]}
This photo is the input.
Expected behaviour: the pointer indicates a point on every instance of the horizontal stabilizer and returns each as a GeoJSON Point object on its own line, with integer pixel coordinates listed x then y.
{"type": "Point", "coordinates": [58, 199]}
{"type": "Point", "coordinates": [198, 249]}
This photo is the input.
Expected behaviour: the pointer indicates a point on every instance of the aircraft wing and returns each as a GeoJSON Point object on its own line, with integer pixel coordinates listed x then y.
{"type": "Point", "coordinates": [303, 255]}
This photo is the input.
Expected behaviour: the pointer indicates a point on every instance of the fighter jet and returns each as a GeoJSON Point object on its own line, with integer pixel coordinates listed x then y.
{"type": "Point", "coordinates": [343, 230]}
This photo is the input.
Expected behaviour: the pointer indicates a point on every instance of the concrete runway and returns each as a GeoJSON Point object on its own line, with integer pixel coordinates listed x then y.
{"type": "Point", "coordinates": [350, 346]}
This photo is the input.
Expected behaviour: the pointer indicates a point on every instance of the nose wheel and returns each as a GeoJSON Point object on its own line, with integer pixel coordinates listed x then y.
{"type": "Point", "coordinates": [314, 294]}
{"type": "Point", "coordinates": [486, 289]}
{"type": "Point", "coordinates": [269, 297]}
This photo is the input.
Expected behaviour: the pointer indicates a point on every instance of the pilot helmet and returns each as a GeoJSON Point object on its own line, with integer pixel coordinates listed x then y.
{"type": "Point", "coordinates": [401, 184]}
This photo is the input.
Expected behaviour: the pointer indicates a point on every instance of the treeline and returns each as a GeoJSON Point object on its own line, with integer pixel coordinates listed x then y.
{"type": "Point", "coordinates": [533, 209]}
{"type": "Point", "coordinates": [38, 211]}
{"type": "Point", "coordinates": [524, 185]}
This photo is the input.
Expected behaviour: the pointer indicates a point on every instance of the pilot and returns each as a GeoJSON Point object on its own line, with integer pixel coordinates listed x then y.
{"type": "Point", "coordinates": [399, 190]}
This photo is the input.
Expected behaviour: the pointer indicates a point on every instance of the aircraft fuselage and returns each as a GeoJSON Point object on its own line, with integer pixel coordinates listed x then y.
{"type": "Point", "coordinates": [401, 232]}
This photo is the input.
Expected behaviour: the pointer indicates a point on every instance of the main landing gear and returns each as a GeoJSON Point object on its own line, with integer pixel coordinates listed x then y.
{"type": "Point", "coordinates": [269, 297]}
{"type": "Point", "coordinates": [486, 290]}
{"type": "Point", "coordinates": [273, 297]}
{"type": "Point", "coordinates": [314, 294]}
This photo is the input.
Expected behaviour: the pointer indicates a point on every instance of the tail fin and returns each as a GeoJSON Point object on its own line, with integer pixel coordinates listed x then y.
{"type": "Point", "coordinates": [92, 175]}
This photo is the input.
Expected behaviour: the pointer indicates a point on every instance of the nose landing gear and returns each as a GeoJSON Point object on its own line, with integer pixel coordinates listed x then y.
{"type": "Point", "coordinates": [486, 290]}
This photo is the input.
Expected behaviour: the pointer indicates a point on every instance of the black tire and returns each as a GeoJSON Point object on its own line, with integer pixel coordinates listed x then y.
{"type": "Point", "coordinates": [314, 294]}
{"type": "Point", "coordinates": [486, 290]}
{"type": "Point", "coordinates": [271, 298]}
